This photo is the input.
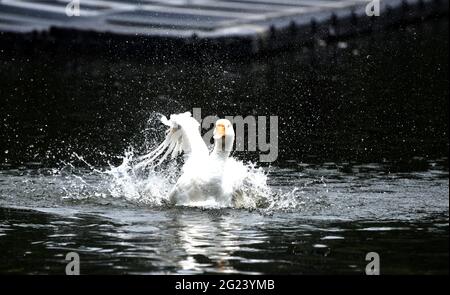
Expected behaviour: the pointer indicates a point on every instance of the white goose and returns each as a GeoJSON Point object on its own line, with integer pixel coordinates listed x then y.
{"type": "Point", "coordinates": [204, 176]}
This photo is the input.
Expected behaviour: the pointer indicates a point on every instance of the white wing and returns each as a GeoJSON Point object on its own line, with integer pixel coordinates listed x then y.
{"type": "Point", "coordinates": [182, 136]}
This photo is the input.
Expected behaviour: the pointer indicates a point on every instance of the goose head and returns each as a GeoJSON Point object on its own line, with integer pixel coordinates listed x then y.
{"type": "Point", "coordinates": [223, 136]}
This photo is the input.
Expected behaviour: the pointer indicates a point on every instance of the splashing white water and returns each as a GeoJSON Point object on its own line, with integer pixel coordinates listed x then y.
{"type": "Point", "coordinates": [150, 184]}
{"type": "Point", "coordinates": [140, 181]}
{"type": "Point", "coordinates": [141, 178]}
{"type": "Point", "coordinates": [138, 185]}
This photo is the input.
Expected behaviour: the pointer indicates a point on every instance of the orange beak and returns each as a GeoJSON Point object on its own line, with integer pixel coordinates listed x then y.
{"type": "Point", "coordinates": [220, 131]}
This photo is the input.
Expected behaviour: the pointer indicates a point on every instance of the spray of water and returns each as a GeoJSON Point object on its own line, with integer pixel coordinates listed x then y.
{"type": "Point", "coordinates": [140, 181]}
{"type": "Point", "coordinates": [150, 184]}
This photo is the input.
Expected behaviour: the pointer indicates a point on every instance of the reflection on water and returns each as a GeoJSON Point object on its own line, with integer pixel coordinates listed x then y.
{"type": "Point", "coordinates": [189, 241]}
{"type": "Point", "coordinates": [326, 224]}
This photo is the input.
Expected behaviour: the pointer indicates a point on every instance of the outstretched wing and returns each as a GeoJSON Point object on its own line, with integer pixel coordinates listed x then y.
{"type": "Point", "coordinates": [183, 135]}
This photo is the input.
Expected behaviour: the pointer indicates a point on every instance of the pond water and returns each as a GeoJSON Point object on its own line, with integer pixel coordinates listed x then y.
{"type": "Point", "coordinates": [362, 160]}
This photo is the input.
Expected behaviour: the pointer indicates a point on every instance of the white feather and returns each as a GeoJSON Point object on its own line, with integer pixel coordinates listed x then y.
{"type": "Point", "coordinates": [202, 178]}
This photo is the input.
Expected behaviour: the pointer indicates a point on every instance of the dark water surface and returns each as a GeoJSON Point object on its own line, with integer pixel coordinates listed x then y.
{"type": "Point", "coordinates": [362, 164]}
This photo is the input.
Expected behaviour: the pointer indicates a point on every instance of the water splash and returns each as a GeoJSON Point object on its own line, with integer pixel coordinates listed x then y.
{"type": "Point", "coordinates": [135, 181]}
{"type": "Point", "coordinates": [150, 184]}
{"type": "Point", "coordinates": [140, 185]}
{"type": "Point", "coordinates": [140, 180]}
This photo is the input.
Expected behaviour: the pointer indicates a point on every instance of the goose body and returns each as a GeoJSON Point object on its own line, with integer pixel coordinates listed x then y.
{"type": "Point", "coordinates": [205, 177]}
